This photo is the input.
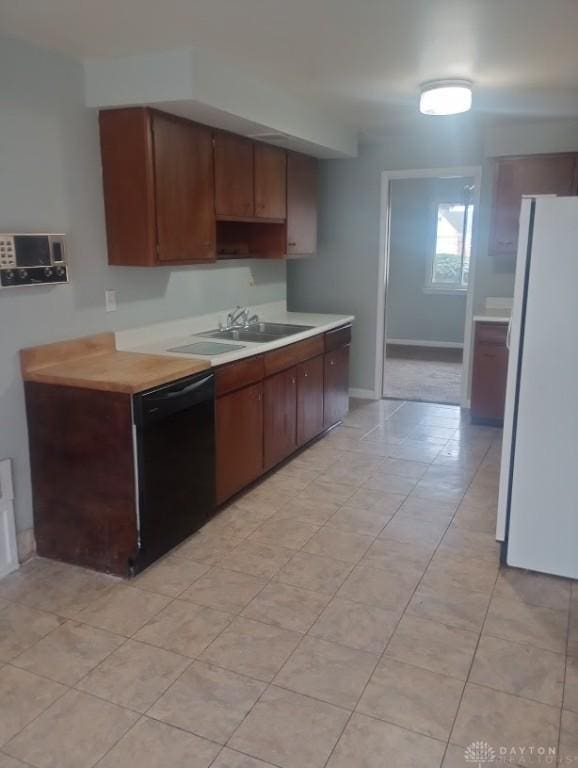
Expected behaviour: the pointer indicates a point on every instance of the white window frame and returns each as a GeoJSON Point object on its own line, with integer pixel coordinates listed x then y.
{"type": "Point", "coordinates": [442, 288]}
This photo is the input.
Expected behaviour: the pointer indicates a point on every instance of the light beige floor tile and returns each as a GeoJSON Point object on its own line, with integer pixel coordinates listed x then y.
{"type": "Point", "coordinates": [504, 720]}
{"type": "Point", "coordinates": [573, 627]}
{"type": "Point", "coordinates": [519, 669]}
{"type": "Point", "coordinates": [209, 548]}
{"type": "Point", "coordinates": [123, 610]}
{"type": "Point", "coordinates": [456, 607]}
{"type": "Point", "coordinates": [236, 522]}
{"type": "Point", "coordinates": [229, 758]}
{"type": "Point", "coordinates": [390, 555]}
{"type": "Point", "coordinates": [390, 590]}
{"type": "Point", "coordinates": [523, 623]}
{"type": "Point", "coordinates": [438, 490]}
{"type": "Point", "coordinates": [346, 475]}
{"type": "Point", "coordinates": [68, 653]}
{"type": "Point", "coordinates": [153, 744]}
{"type": "Point", "coordinates": [437, 647]}
{"type": "Point", "coordinates": [327, 671]}
{"type": "Point", "coordinates": [10, 762]}
{"type": "Point", "coordinates": [171, 576]}
{"type": "Point", "coordinates": [341, 545]}
{"type": "Point", "coordinates": [21, 627]}
{"type": "Point", "coordinates": [414, 450]}
{"type": "Point", "coordinates": [73, 733]}
{"type": "Point", "coordinates": [375, 500]}
{"type": "Point", "coordinates": [68, 591]}
{"type": "Point", "coordinates": [224, 590]}
{"type": "Point", "coordinates": [257, 559]}
{"type": "Point", "coordinates": [363, 521]}
{"type": "Point", "coordinates": [286, 606]}
{"type": "Point", "coordinates": [456, 757]}
{"type": "Point", "coordinates": [369, 743]}
{"type": "Point", "coordinates": [208, 701]}
{"type": "Point", "coordinates": [412, 530]}
{"type": "Point", "coordinates": [252, 648]}
{"type": "Point", "coordinates": [411, 469]}
{"type": "Point", "coordinates": [475, 518]}
{"type": "Point", "coordinates": [315, 572]}
{"type": "Point", "coordinates": [568, 738]}
{"type": "Point", "coordinates": [23, 697]}
{"type": "Point", "coordinates": [456, 571]}
{"type": "Point", "coordinates": [427, 510]}
{"type": "Point", "coordinates": [290, 730]}
{"type": "Point", "coordinates": [184, 628]}
{"type": "Point", "coordinates": [533, 588]}
{"type": "Point", "coordinates": [416, 699]}
{"type": "Point", "coordinates": [311, 511]}
{"type": "Point", "coordinates": [571, 686]}
{"type": "Point", "coordinates": [364, 627]}
{"type": "Point", "coordinates": [135, 675]}
{"type": "Point", "coordinates": [334, 492]}
{"type": "Point", "coordinates": [395, 485]}
{"type": "Point", "coordinates": [283, 532]}
{"type": "Point", "coordinates": [470, 544]}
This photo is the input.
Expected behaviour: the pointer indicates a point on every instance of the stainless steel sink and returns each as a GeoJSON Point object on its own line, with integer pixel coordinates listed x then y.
{"type": "Point", "coordinates": [259, 332]}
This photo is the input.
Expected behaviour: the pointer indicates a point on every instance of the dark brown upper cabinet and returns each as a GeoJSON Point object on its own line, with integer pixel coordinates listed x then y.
{"type": "Point", "coordinates": [531, 175]}
{"type": "Point", "coordinates": [301, 204]}
{"type": "Point", "coordinates": [158, 188]}
{"type": "Point", "coordinates": [234, 176]}
{"type": "Point", "coordinates": [270, 182]}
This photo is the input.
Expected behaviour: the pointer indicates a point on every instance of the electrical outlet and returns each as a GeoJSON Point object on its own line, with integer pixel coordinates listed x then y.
{"type": "Point", "coordinates": [110, 300]}
{"type": "Point", "coordinates": [6, 487]}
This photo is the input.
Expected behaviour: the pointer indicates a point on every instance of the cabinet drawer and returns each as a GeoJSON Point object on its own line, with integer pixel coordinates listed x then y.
{"type": "Point", "coordinates": [339, 337]}
{"type": "Point", "coordinates": [239, 374]}
{"type": "Point", "coordinates": [286, 357]}
{"type": "Point", "coordinates": [491, 333]}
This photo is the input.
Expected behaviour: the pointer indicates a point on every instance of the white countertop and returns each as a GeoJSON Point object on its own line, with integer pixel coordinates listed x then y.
{"type": "Point", "coordinates": [492, 318]}
{"type": "Point", "coordinates": [159, 338]}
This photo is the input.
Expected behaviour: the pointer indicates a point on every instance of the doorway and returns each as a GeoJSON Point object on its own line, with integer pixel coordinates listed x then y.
{"type": "Point", "coordinates": [427, 289]}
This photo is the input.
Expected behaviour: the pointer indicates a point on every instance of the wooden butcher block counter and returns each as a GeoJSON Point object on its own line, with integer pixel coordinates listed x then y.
{"type": "Point", "coordinates": [93, 362]}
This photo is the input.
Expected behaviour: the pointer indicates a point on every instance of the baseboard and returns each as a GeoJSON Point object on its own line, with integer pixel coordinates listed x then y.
{"type": "Point", "coordinates": [362, 394]}
{"type": "Point", "coordinates": [26, 544]}
{"type": "Point", "coordinates": [8, 549]}
{"type": "Point", "coordinates": [414, 343]}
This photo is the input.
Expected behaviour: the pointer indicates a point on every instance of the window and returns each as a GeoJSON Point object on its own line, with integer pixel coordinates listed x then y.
{"type": "Point", "coordinates": [450, 265]}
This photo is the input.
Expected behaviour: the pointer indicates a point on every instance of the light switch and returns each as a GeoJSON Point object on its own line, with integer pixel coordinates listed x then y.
{"type": "Point", "coordinates": [110, 300]}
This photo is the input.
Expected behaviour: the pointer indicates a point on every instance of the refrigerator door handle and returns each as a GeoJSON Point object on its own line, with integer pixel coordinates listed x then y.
{"type": "Point", "coordinates": [508, 335]}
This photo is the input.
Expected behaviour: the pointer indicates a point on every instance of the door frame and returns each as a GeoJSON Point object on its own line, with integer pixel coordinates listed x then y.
{"type": "Point", "coordinates": [472, 171]}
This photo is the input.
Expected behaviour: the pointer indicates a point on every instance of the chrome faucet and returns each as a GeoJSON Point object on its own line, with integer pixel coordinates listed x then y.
{"type": "Point", "coordinates": [239, 318]}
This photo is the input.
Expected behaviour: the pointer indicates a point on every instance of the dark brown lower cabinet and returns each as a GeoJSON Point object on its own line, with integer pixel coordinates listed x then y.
{"type": "Point", "coordinates": [336, 386]}
{"type": "Point", "coordinates": [309, 399]}
{"type": "Point", "coordinates": [239, 439]}
{"type": "Point", "coordinates": [489, 373]}
{"type": "Point", "coordinates": [280, 416]}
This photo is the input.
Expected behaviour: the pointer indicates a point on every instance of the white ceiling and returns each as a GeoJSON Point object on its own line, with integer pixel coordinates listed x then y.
{"type": "Point", "coordinates": [361, 59]}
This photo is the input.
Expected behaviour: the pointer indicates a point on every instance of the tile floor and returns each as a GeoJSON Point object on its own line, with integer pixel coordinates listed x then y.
{"type": "Point", "coordinates": [348, 612]}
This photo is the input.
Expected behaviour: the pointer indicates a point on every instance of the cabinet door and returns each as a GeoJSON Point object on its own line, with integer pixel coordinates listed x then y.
{"type": "Point", "coordinates": [301, 204]}
{"type": "Point", "coordinates": [239, 439]}
{"type": "Point", "coordinates": [336, 387]}
{"type": "Point", "coordinates": [183, 163]}
{"type": "Point", "coordinates": [517, 176]}
{"type": "Point", "coordinates": [270, 182]}
{"type": "Point", "coordinates": [489, 373]}
{"type": "Point", "coordinates": [309, 399]}
{"type": "Point", "coordinates": [234, 195]}
{"type": "Point", "coordinates": [280, 414]}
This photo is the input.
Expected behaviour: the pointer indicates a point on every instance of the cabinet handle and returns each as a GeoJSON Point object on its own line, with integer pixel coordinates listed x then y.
{"type": "Point", "coordinates": [293, 380]}
{"type": "Point", "coordinates": [306, 374]}
{"type": "Point", "coordinates": [332, 362]}
{"type": "Point", "coordinates": [292, 245]}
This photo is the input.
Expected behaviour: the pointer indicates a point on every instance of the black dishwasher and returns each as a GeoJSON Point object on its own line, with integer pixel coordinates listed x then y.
{"type": "Point", "coordinates": [175, 457]}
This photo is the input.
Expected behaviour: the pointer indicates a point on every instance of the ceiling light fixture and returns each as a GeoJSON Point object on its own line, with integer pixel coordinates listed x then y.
{"type": "Point", "coordinates": [445, 97]}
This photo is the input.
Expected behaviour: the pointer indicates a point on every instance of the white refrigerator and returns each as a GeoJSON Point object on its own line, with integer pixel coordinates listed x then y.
{"type": "Point", "coordinates": [538, 496]}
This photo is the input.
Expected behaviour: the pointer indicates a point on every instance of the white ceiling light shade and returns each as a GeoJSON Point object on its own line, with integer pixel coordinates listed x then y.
{"type": "Point", "coordinates": [445, 97]}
